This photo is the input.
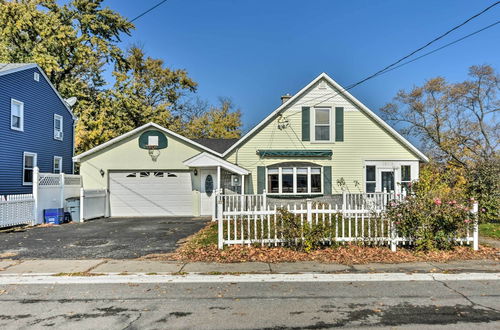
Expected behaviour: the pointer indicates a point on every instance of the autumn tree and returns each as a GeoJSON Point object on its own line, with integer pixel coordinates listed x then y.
{"type": "Point", "coordinates": [74, 44]}
{"type": "Point", "coordinates": [456, 122]}
{"type": "Point", "coordinates": [458, 126]}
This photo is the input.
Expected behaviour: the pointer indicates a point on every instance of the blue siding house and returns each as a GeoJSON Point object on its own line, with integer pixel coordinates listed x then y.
{"type": "Point", "coordinates": [36, 128]}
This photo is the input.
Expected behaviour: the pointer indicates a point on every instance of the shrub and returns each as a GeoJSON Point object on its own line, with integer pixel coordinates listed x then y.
{"type": "Point", "coordinates": [299, 234]}
{"type": "Point", "coordinates": [435, 212]}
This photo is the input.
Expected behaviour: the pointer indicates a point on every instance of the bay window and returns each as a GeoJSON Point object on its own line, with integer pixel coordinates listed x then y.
{"type": "Point", "coordinates": [294, 180]}
{"type": "Point", "coordinates": [273, 181]}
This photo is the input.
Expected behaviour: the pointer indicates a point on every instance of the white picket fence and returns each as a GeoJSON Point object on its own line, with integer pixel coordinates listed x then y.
{"type": "Point", "coordinates": [262, 226]}
{"type": "Point", "coordinates": [17, 210]}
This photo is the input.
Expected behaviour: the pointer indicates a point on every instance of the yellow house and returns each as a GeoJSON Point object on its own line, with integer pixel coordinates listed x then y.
{"type": "Point", "coordinates": [318, 142]}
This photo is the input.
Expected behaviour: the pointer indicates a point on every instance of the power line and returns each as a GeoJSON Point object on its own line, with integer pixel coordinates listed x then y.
{"type": "Point", "coordinates": [429, 43]}
{"type": "Point", "coordinates": [444, 46]}
{"type": "Point", "coordinates": [407, 62]}
{"type": "Point", "coordinates": [147, 11]}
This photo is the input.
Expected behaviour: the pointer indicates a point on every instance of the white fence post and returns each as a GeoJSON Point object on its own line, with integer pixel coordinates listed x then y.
{"type": "Point", "coordinates": [393, 236]}
{"type": "Point", "coordinates": [475, 242]}
{"type": "Point", "coordinates": [82, 206]}
{"type": "Point", "coordinates": [61, 185]}
{"type": "Point", "coordinates": [309, 210]}
{"type": "Point", "coordinates": [220, 228]}
{"type": "Point", "coordinates": [36, 179]}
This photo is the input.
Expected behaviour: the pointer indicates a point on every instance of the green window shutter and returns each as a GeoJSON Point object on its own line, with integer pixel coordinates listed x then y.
{"type": "Point", "coordinates": [327, 180]}
{"type": "Point", "coordinates": [306, 124]}
{"type": "Point", "coordinates": [261, 179]}
{"type": "Point", "coordinates": [339, 124]}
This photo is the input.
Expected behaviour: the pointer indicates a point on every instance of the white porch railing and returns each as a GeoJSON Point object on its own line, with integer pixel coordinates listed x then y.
{"type": "Point", "coordinates": [241, 202]}
{"type": "Point", "coordinates": [262, 226]}
{"type": "Point", "coordinates": [17, 210]}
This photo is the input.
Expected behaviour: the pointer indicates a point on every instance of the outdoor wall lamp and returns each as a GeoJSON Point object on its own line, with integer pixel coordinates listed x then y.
{"type": "Point", "coordinates": [102, 172]}
{"type": "Point", "coordinates": [195, 172]}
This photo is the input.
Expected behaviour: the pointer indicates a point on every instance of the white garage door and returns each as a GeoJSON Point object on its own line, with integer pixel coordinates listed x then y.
{"type": "Point", "coordinates": [159, 193]}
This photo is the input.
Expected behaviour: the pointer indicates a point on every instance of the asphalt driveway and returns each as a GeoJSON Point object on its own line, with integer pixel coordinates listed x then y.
{"type": "Point", "coordinates": [115, 238]}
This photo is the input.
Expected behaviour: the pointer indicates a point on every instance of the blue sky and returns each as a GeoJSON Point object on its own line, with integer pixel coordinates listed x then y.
{"type": "Point", "coordinates": [254, 51]}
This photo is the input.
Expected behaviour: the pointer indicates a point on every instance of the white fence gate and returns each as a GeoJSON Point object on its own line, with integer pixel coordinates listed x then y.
{"type": "Point", "coordinates": [262, 226]}
{"type": "Point", "coordinates": [93, 204]}
{"type": "Point", "coordinates": [17, 210]}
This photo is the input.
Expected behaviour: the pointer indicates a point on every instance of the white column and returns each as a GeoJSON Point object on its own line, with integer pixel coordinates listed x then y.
{"type": "Point", "coordinates": [218, 178]}
{"type": "Point", "coordinates": [242, 201]}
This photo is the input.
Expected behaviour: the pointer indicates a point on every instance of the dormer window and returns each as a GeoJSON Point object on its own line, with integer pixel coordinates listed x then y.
{"type": "Point", "coordinates": [58, 127]}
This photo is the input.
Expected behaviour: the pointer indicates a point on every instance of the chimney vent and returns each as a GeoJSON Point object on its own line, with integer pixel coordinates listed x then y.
{"type": "Point", "coordinates": [285, 98]}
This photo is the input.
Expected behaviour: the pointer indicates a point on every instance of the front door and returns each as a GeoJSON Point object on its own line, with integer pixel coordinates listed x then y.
{"type": "Point", "coordinates": [208, 189]}
{"type": "Point", "coordinates": [387, 181]}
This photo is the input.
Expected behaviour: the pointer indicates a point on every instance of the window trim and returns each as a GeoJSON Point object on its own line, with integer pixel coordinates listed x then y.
{"type": "Point", "coordinates": [21, 104]}
{"type": "Point", "coordinates": [35, 156]}
{"type": "Point", "coordinates": [60, 164]}
{"type": "Point", "coordinates": [294, 168]}
{"type": "Point", "coordinates": [58, 117]}
{"type": "Point", "coordinates": [330, 125]}
{"type": "Point", "coordinates": [402, 182]}
{"type": "Point", "coordinates": [370, 181]}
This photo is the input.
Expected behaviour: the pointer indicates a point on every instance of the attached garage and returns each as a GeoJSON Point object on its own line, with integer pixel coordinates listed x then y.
{"type": "Point", "coordinates": [150, 193]}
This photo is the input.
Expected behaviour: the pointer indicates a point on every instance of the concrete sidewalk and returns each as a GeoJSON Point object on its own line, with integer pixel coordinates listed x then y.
{"type": "Point", "coordinates": [124, 267]}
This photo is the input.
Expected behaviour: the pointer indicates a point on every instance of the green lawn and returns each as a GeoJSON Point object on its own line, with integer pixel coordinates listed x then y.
{"type": "Point", "coordinates": [490, 229]}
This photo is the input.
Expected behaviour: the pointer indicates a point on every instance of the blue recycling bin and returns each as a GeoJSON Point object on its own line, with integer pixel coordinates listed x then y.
{"type": "Point", "coordinates": [53, 216]}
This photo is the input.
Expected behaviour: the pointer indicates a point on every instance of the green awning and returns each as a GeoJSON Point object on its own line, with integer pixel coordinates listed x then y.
{"type": "Point", "coordinates": [294, 153]}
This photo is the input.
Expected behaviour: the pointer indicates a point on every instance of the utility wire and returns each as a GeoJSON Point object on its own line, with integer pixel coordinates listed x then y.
{"type": "Point", "coordinates": [147, 11]}
{"type": "Point", "coordinates": [408, 62]}
{"type": "Point", "coordinates": [429, 43]}
{"type": "Point", "coordinates": [437, 49]}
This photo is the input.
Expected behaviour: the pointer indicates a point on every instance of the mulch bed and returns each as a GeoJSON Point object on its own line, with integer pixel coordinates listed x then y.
{"type": "Point", "coordinates": [191, 251]}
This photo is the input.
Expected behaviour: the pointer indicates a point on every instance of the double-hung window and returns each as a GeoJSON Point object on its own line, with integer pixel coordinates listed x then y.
{"type": "Point", "coordinates": [322, 124]}
{"type": "Point", "coordinates": [58, 127]}
{"type": "Point", "coordinates": [57, 165]}
{"type": "Point", "coordinates": [16, 115]}
{"type": "Point", "coordinates": [294, 180]}
{"type": "Point", "coordinates": [29, 164]}
{"type": "Point", "coordinates": [405, 177]}
{"type": "Point", "coordinates": [371, 182]}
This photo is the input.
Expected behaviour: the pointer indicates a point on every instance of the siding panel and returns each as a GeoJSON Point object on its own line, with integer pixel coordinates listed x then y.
{"type": "Point", "coordinates": [40, 105]}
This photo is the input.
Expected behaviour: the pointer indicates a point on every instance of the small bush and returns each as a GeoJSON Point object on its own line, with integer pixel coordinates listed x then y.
{"type": "Point", "coordinates": [299, 234]}
{"type": "Point", "coordinates": [435, 212]}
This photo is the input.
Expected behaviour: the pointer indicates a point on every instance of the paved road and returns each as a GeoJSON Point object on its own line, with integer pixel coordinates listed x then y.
{"type": "Point", "coordinates": [115, 238]}
{"type": "Point", "coordinates": [279, 305]}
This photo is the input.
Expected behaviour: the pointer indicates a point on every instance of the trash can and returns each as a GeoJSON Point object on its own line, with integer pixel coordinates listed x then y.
{"type": "Point", "coordinates": [53, 216]}
{"type": "Point", "coordinates": [73, 206]}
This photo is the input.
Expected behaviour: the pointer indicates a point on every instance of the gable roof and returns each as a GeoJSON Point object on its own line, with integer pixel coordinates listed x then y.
{"type": "Point", "coordinates": [346, 94]}
{"type": "Point", "coordinates": [219, 145]}
{"type": "Point", "coordinates": [205, 159]}
{"type": "Point", "coordinates": [8, 68]}
{"type": "Point", "coordinates": [138, 129]}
